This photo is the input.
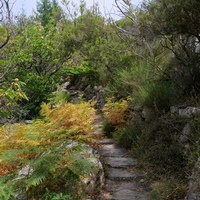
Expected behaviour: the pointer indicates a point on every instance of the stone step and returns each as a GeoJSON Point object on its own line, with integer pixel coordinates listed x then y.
{"type": "Point", "coordinates": [113, 153]}
{"type": "Point", "coordinates": [118, 190]}
{"type": "Point", "coordinates": [97, 131]}
{"type": "Point", "coordinates": [116, 174]}
{"type": "Point", "coordinates": [112, 150]}
{"type": "Point", "coordinates": [122, 181]}
{"type": "Point", "coordinates": [110, 146]}
{"type": "Point", "coordinates": [106, 141]}
{"type": "Point", "coordinates": [128, 195]}
{"type": "Point", "coordinates": [114, 186]}
{"type": "Point", "coordinates": [120, 162]}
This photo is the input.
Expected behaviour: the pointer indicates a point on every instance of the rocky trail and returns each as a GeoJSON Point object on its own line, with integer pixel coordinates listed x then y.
{"type": "Point", "coordinates": [123, 180]}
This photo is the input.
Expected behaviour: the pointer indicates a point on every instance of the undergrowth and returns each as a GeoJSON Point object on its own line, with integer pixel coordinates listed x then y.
{"type": "Point", "coordinates": [114, 115]}
{"type": "Point", "coordinates": [158, 142]}
{"type": "Point", "coordinates": [45, 159]}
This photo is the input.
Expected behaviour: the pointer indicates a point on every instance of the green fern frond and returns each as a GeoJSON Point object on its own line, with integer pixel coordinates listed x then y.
{"type": "Point", "coordinates": [6, 189]}
{"type": "Point", "coordinates": [36, 179]}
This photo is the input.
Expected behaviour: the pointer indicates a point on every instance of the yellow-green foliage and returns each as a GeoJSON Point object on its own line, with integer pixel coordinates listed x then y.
{"type": "Point", "coordinates": [42, 145]}
{"type": "Point", "coordinates": [114, 112]}
{"type": "Point", "coordinates": [12, 96]}
{"type": "Point", "coordinates": [68, 115]}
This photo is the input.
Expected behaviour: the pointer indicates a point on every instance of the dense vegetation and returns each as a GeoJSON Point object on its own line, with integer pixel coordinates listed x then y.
{"type": "Point", "coordinates": [147, 61]}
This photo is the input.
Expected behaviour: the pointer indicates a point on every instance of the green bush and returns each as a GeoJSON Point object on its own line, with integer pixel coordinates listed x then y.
{"type": "Point", "coordinates": [38, 89]}
{"type": "Point", "coordinates": [160, 148]}
{"type": "Point", "coordinates": [168, 190]}
{"type": "Point", "coordinates": [128, 80]}
{"type": "Point", "coordinates": [141, 82]}
{"type": "Point", "coordinates": [155, 95]}
{"type": "Point", "coordinates": [128, 136]}
{"type": "Point", "coordinates": [108, 128]}
{"type": "Point", "coordinates": [55, 196]}
{"type": "Point", "coordinates": [193, 142]}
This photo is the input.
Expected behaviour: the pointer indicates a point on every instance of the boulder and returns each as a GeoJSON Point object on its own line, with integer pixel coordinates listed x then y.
{"type": "Point", "coordinates": [194, 183]}
{"type": "Point", "coordinates": [188, 111]}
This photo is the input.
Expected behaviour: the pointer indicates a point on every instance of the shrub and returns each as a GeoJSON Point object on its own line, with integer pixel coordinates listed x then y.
{"type": "Point", "coordinates": [114, 115]}
{"type": "Point", "coordinates": [127, 80]}
{"type": "Point", "coordinates": [50, 149]}
{"type": "Point", "coordinates": [10, 97]}
{"type": "Point", "coordinates": [155, 95]}
{"type": "Point", "coordinates": [145, 84]}
{"type": "Point", "coordinates": [168, 190]}
{"type": "Point", "coordinates": [114, 111]}
{"type": "Point", "coordinates": [128, 136]}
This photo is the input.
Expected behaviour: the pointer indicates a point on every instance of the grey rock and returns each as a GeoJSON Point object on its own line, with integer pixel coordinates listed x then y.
{"type": "Point", "coordinates": [114, 186]}
{"type": "Point", "coordinates": [185, 133]}
{"type": "Point", "coordinates": [106, 141]}
{"type": "Point", "coordinates": [189, 111]}
{"type": "Point", "coordinates": [25, 171]}
{"type": "Point", "coordinates": [194, 183]}
{"type": "Point", "coordinates": [120, 162]}
{"type": "Point", "coordinates": [113, 152]}
{"type": "Point", "coordinates": [20, 196]}
{"type": "Point", "coordinates": [174, 109]}
{"type": "Point", "coordinates": [122, 174]}
{"type": "Point", "coordinates": [28, 121]}
{"type": "Point", "coordinates": [129, 195]}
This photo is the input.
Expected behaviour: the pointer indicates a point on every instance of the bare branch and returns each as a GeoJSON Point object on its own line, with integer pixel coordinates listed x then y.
{"type": "Point", "coordinates": [5, 20]}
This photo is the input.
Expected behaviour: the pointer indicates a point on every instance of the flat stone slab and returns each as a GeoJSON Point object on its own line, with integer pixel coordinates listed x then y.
{"type": "Point", "coordinates": [113, 153]}
{"type": "Point", "coordinates": [129, 195]}
{"type": "Point", "coordinates": [112, 150]}
{"type": "Point", "coordinates": [111, 146]}
{"type": "Point", "coordinates": [97, 131]}
{"type": "Point", "coordinates": [116, 174]}
{"type": "Point", "coordinates": [120, 162]}
{"type": "Point", "coordinates": [106, 141]}
{"type": "Point", "coordinates": [114, 186]}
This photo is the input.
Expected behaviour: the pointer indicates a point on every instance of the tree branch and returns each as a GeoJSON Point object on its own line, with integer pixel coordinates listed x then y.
{"type": "Point", "coordinates": [5, 10]}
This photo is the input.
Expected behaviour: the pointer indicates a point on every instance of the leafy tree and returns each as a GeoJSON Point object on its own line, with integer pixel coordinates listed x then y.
{"type": "Point", "coordinates": [5, 22]}
{"type": "Point", "coordinates": [35, 56]}
{"type": "Point", "coordinates": [84, 35]}
{"type": "Point", "coordinates": [176, 23]}
{"type": "Point", "coordinates": [48, 11]}
{"type": "Point", "coordinates": [44, 10]}
{"type": "Point", "coordinates": [40, 59]}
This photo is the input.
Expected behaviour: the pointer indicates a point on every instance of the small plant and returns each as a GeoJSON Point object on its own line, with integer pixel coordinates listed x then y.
{"type": "Point", "coordinates": [55, 196]}
{"type": "Point", "coordinates": [10, 97]}
{"type": "Point", "coordinates": [59, 96]}
{"type": "Point", "coordinates": [108, 128]}
{"type": "Point", "coordinates": [168, 190]}
{"type": "Point", "coordinates": [128, 136]}
{"type": "Point", "coordinates": [114, 113]}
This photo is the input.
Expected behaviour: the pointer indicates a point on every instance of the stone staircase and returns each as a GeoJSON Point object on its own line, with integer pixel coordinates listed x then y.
{"type": "Point", "coordinates": [122, 180]}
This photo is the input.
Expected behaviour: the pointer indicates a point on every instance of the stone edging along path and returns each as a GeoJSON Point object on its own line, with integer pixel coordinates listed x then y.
{"type": "Point", "coordinates": [123, 181]}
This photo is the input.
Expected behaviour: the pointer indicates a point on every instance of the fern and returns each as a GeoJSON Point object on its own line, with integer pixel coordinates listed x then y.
{"type": "Point", "coordinates": [7, 190]}
{"type": "Point", "coordinates": [114, 112]}
{"type": "Point", "coordinates": [52, 148]}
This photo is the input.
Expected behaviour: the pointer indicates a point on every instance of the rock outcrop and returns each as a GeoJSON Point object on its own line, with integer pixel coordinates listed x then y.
{"type": "Point", "coordinates": [88, 92]}
{"type": "Point", "coordinates": [194, 183]}
{"type": "Point", "coordinates": [189, 112]}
